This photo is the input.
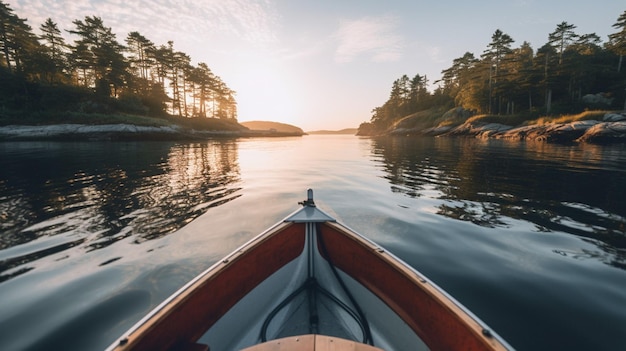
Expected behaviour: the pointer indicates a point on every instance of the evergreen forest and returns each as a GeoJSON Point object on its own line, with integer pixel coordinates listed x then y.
{"type": "Point", "coordinates": [570, 73]}
{"type": "Point", "coordinates": [43, 77]}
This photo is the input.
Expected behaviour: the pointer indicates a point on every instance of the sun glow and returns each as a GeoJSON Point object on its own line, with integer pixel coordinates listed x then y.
{"type": "Point", "coordinates": [265, 92]}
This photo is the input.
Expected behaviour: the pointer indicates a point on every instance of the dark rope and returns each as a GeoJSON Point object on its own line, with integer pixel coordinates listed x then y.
{"type": "Point", "coordinates": [281, 305]}
{"type": "Point", "coordinates": [362, 319]}
{"type": "Point", "coordinates": [346, 308]}
{"type": "Point", "coordinates": [311, 284]}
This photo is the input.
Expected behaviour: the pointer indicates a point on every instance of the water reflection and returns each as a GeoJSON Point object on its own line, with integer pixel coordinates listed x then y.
{"type": "Point", "coordinates": [575, 189]}
{"type": "Point", "coordinates": [56, 196]}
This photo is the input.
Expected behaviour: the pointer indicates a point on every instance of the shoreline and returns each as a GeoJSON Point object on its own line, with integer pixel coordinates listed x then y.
{"type": "Point", "coordinates": [122, 132]}
{"type": "Point", "coordinates": [611, 129]}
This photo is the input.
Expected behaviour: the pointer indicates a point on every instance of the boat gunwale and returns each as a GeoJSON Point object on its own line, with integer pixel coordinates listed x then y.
{"type": "Point", "coordinates": [159, 314]}
{"type": "Point", "coordinates": [478, 328]}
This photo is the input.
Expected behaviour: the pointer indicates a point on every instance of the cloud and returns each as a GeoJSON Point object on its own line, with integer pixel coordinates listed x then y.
{"type": "Point", "coordinates": [374, 37]}
{"type": "Point", "coordinates": [253, 21]}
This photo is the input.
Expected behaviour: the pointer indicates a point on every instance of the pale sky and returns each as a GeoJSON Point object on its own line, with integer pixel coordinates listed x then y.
{"type": "Point", "coordinates": [325, 64]}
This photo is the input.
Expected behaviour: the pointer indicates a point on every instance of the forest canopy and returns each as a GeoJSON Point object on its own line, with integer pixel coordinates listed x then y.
{"type": "Point", "coordinates": [95, 73]}
{"type": "Point", "coordinates": [571, 72]}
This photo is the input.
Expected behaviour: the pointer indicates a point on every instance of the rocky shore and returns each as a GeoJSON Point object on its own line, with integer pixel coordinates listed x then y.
{"type": "Point", "coordinates": [611, 129]}
{"type": "Point", "coordinates": [104, 132]}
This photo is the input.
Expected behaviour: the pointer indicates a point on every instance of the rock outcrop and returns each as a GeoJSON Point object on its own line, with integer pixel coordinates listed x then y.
{"type": "Point", "coordinates": [88, 132]}
{"type": "Point", "coordinates": [605, 133]}
{"type": "Point", "coordinates": [560, 132]}
{"type": "Point", "coordinates": [612, 129]}
{"type": "Point", "coordinates": [614, 117]}
{"type": "Point", "coordinates": [478, 129]}
{"type": "Point", "coordinates": [104, 132]}
{"type": "Point", "coordinates": [598, 99]}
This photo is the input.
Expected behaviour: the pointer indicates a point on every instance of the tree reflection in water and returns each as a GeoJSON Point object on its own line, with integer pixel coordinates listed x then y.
{"type": "Point", "coordinates": [576, 189]}
{"type": "Point", "coordinates": [91, 195]}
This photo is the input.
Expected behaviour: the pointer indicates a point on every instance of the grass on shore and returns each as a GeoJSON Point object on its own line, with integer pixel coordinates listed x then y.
{"type": "Point", "coordinates": [509, 120]}
{"type": "Point", "coordinates": [583, 116]}
{"type": "Point", "coordinates": [523, 120]}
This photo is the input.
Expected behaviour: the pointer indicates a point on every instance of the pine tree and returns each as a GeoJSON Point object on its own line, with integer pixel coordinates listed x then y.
{"type": "Point", "coordinates": [562, 37]}
{"type": "Point", "coordinates": [499, 49]}
{"type": "Point", "coordinates": [139, 47]}
{"type": "Point", "coordinates": [98, 51]}
{"type": "Point", "coordinates": [617, 40]}
{"type": "Point", "coordinates": [17, 41]}
{"type": "Point", "coordinates": [56, 50]}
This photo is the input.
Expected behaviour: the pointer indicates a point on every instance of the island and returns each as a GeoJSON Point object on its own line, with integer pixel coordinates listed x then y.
{"type": "Point", "coordinates": [269, 128]}
{"type": "Point", "coordinates": [348, 131]}
{"type": "Point", "coordinates": [570, 89]}
{"type": "Point", "coordinates": [96, 88]}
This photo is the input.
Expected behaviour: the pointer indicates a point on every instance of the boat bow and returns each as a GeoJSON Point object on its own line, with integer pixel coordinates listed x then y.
{"type": "Point", "coordinates": [309, 275]}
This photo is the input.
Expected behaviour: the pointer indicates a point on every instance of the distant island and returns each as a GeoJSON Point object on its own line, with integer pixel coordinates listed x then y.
{"type": "Point", "coordinates": [276, 127]}
{"type": "Point", "coordinates": [272, 127]}
{"type": "Point", "coordinates": [351, 131]}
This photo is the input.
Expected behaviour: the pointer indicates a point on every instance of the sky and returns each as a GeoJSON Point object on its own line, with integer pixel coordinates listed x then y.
{"type": "Point", "coordinates": [326, 64]}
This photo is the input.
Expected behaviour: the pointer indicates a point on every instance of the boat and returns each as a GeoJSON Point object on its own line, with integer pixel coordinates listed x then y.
{"type": "Point", "coordinates": [310, 283]}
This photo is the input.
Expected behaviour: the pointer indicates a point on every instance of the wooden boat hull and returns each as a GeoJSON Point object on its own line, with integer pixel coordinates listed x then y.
{"type": "Point", "coordinates": [310, 275]}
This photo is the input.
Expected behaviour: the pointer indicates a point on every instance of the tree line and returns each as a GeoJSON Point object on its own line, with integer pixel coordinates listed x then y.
{"type": "Point", "coordinates": [97, 73]}
{"type": "Point", "coordinates": [569, 73]}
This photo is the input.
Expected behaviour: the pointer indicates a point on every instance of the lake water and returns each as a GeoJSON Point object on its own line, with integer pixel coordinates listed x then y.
{"type": "Point", "coordinates": [531, 237]}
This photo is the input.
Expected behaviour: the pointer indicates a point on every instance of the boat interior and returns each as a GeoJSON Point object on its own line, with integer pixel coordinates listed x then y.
{"type": "Point", "coordinates": [309, 297]}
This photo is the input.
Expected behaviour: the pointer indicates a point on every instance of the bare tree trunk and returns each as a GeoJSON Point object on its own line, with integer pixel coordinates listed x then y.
{"type": "Point", "coordinates": [7, 56]}
{"type": "Point", "coordinates": [185, 97]}
{"type": "Point", "coordinates": [549, 101]}
{"type": "Point", "coordinates": [490, 89]}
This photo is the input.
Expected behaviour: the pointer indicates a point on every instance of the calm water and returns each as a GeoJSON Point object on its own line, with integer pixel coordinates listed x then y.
{"type": "Point", "coordinates": [530, 237]}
